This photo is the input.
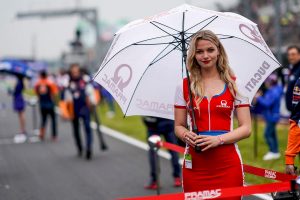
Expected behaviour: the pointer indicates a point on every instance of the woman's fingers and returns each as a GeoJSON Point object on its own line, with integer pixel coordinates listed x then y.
{"type": "Point", "coordinates": [190, 142]}
{"type": "Point", "coordinates": [207, 142]}
{"type": "Point", "coordinates": [201, 144]}
{"type": "Point", "coordinates": [190, 136]}
{"type": "Point", "coordinates": [204, 141]}
{"type": "Point", "coordinates": [207, 147]}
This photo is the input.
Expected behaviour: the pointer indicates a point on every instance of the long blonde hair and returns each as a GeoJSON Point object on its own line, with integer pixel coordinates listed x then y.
{"type": "Point", "coordinates": [225, 72]}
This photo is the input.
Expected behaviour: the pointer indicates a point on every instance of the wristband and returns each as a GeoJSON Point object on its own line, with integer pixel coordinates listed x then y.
{"type": "Point", "coordinates": [221, 140]}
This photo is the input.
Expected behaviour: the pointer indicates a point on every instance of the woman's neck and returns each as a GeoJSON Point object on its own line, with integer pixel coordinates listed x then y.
{"type": "Point", "coordinates": [211, 73]}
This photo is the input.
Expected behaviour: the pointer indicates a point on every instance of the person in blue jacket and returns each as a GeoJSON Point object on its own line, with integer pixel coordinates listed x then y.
{"type": "Point", "coordinates": [270, 103]}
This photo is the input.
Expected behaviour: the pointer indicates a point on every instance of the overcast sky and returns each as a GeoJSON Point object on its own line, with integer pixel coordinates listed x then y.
{"type": "Point", "coordinates": [50, 37]}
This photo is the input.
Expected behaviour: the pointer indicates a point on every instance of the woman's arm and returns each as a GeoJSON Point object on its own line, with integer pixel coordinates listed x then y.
{"type": "Point", "coordinates": [244, 127]}
{"type": "Point", "coordinates": [180, 127]}
{"type": "Point", "coordinates": [243, 131]}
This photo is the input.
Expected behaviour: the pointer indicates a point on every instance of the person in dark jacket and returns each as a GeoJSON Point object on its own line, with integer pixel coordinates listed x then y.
{"type": "Point", "coordinates": [293, 53]}
{"type": "Point", "coordinates": [164, 127]}
{"type": "Point", "coordinates": [293, 145]}
{"type": "Point", "coordinates": [81, 94]}
{"type": "Point", "coordinates": [270, 103]}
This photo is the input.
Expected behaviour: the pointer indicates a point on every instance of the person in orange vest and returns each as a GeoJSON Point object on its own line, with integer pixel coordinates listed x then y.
{"type": "Point", "coordinates": [47, 92]}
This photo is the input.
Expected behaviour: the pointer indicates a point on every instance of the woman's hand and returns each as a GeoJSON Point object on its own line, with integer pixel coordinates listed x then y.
{"type": "Point", "coordinates": [190, 138]}
{"type": "Point", "coordinates": [207, 142]}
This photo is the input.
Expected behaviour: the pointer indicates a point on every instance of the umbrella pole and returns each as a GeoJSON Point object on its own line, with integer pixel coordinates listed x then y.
{"type": "Point", "coordinates": [191, 106]}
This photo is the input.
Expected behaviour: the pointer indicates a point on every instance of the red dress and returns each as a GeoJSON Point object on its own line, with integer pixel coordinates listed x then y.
{"type": "Point", "coordinates": [219, 167]}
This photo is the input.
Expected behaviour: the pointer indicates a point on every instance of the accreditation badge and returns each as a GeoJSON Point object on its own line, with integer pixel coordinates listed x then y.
{"type": "Point", "coordinates": [188, 161]}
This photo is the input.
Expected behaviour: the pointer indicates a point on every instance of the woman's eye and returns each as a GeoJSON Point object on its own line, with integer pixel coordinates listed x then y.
{"type": "Point", "coordinates": [211, 50]}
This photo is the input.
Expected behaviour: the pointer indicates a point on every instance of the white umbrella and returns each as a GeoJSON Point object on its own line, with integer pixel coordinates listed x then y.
{"type": "Point", "coordinates": [145, 62]}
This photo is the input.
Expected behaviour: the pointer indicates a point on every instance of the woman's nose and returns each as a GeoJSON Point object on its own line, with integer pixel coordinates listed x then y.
{"type": "Point", "coordinates": [205, 54]}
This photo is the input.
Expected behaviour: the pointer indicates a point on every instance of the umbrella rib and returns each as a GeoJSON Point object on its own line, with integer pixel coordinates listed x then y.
{"type": "Point", "coordinates": [153, 38]}
{"type": "Point", "coordinates": [155, 61]}
{"type": "Point", "coordinates": [214, 17]}
{"type": "Point", "coordinates": [169, 43]}
{"type": "Point", "coordinates": [230, 36]}
{"type": "Point", "coordinates": [151, 63]}
{"type": "Point", "coordinates": [124, 49]}
{"type": "Point", "coordinates": [166, 26]}
{"type": "Point", "coordinates": [157, 43]}
{"type": "Point", "coordinates": [178, 39]}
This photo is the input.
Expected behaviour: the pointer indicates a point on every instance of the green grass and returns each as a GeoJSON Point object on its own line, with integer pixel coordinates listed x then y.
{"type": "Point", "coordinates": [131, 125]}
{"type": "Point", "coordinates": [134, 127]}
{"type": "Point", "coordinates": [247, 150]}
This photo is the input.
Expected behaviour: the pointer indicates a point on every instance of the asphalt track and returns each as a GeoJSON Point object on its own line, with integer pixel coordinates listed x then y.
{"type": "Point", "coordinates": [51, 170]}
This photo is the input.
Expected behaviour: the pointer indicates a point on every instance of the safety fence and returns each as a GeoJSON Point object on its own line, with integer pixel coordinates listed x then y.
{"type": "Point", "coordinates": [287, 183]}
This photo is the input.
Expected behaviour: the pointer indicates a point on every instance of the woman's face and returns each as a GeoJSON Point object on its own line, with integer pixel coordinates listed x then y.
{"type": "Point", "coordinates": [206, 54]}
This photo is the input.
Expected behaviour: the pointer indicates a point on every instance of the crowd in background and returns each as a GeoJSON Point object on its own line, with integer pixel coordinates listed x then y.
{"type": "Point", "coordinates": [263, 13]}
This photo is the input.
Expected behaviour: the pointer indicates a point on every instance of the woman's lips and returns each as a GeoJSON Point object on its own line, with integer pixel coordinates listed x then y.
{"type": "Point", "coordinates": [206, 61]}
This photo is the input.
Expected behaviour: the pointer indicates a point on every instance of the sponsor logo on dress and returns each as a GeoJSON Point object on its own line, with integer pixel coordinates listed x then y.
{"type": "Point", "coordinates": [223, 104]}
{"type": "Point", "coordinates": [118, 82]}
{"type": "Point", "coordinates": [206, 194]}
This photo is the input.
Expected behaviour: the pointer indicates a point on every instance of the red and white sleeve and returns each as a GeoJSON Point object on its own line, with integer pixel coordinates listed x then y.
{"type": "Point", "coordinates": [241, 101]}
{"type": "Point", "coordinates": [179, 101]}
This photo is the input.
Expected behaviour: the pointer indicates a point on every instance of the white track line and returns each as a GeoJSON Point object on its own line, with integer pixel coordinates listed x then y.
{"type": "Point", "coordinates": [31, 139]}
{"type": "Point", "coordinates": [142, 145]}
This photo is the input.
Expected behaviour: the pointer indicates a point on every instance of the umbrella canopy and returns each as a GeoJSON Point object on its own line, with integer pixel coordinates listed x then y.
{"type": "Point", "coordinates": [15, 67]}
{"type": "Point", "coordinates": [146, 60]}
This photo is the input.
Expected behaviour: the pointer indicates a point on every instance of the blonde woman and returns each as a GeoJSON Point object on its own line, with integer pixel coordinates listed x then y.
{"type": "Point", "coordinates": [215, 97]}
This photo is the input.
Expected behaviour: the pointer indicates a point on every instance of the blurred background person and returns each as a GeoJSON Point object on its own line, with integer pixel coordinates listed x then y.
{"type": "Point", "coordinates": [81, 94]}
{"type": "Point", "coordinates": [293, 145]}
{"type": "Point", "coordinates": [165, 128]}
{"type": "Point", "coordinates": [108, 98]}
{"type": "Point", "coordinates": [270, 105]}
{"type": "Point", "coordinates": [47, 93]}
{"type": "Point", "coordinates": [293, 55]}
{"type": "Point", "coordinates": [19, 108]}
{"type": "Point", "coordinates": [62, 81]}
